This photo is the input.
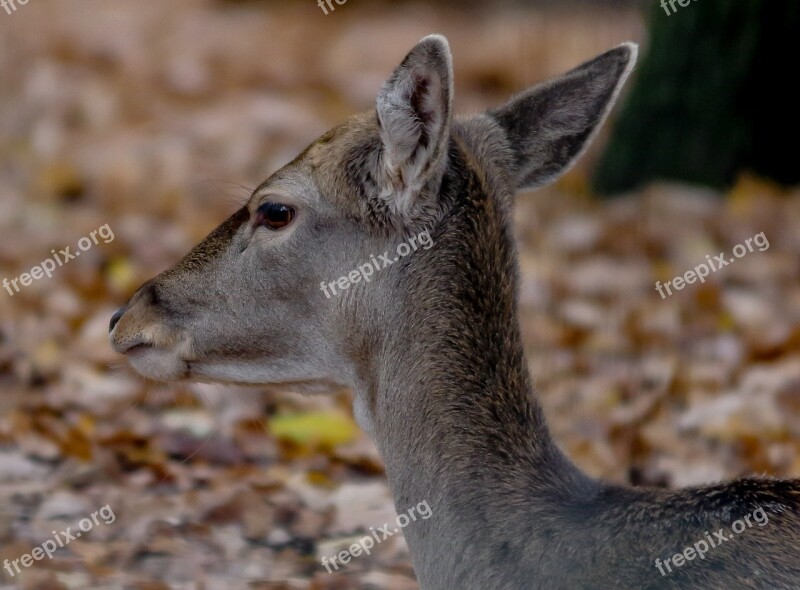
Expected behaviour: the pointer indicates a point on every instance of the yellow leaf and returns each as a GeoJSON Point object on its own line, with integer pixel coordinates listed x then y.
{"type": "Point", "coordinates": [121, 275]}
{"type": "Point", "coordinates": [86, 425]}
{"type": "Point", "coordinates": [327, 428]}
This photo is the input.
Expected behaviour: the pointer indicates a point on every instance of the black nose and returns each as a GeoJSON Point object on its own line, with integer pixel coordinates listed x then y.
{"type": "Point", "coordinates": [115, 318]}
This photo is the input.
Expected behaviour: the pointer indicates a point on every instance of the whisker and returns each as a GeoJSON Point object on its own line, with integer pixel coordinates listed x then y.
{"type": "Point", "coordinates": [232, 198]}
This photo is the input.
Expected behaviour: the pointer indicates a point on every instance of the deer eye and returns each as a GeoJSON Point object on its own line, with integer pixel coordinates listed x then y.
{"type": "Point", "coordinates": [274, 215]}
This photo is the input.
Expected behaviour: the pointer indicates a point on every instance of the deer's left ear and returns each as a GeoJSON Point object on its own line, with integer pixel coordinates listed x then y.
{"type": "Point", "coordinates": [414, 112]}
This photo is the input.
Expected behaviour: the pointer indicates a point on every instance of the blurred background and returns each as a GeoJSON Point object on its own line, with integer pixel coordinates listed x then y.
{"type": "Point", "coordinates": [157, 119]}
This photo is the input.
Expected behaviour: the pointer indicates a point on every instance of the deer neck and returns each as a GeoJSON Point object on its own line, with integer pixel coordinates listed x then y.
{"type": "Point", "coordinates": [450, 397]}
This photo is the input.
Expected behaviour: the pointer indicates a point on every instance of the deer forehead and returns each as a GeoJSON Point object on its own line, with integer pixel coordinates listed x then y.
{"type": "Point", "coordinates": [327, 176]}
{"type": "Point", "coordinates": [343, 162]}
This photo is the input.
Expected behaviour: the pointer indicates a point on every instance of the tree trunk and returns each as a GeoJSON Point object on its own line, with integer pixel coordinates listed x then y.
{"type": "Point", "coordinates": [709, 99]}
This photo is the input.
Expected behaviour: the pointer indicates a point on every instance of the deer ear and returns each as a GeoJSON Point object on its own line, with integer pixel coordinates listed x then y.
{"type": "Point", "coordinates": [414, 112]}
{"type": "Point", "coordinates": [551, 124]}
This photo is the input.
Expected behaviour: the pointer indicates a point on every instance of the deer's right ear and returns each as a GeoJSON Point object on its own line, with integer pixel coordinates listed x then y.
{"type": "Point", "coordinates": [414, 112]}
{"type": "Point", "coordinates": [550, 125]}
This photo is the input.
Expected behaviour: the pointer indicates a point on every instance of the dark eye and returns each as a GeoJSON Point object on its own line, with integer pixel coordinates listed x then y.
{"type": "Point", "coordinates": [274, 215]}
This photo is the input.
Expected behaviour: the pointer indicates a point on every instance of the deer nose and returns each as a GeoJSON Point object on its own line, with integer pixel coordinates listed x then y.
{"type": "Point", "coordinates": [116, 318]}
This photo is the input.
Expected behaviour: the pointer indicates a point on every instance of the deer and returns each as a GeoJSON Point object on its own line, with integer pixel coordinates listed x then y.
{"type": "Point", "coordinates": [431, 345]}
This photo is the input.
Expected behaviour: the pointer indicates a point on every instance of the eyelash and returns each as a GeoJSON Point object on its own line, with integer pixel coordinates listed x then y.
{"type": "Point", "coordinates": [275, 216]}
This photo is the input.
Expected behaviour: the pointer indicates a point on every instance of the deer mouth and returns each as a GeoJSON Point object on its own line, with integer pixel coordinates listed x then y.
{"type": "Point", "coordinates": [153, 350]}
{"type": "Point", "coordinates": [158, 364]}
{"type": "Point", "coordinates": [157, 361]}
{"type": "Point", "coordinates": [138, 349]}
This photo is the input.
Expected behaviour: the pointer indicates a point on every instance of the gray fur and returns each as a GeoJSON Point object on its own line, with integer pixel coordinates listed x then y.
{"type": "Point", "coordinates": [432, 346]}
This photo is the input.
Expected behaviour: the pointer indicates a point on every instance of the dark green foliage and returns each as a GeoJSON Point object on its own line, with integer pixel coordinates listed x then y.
{"type": "Point", "coordinates": [713, 97]}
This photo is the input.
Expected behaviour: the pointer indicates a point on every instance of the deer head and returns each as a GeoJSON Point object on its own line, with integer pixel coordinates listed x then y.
{"type": "Point", "coordinates": [249, 304]}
